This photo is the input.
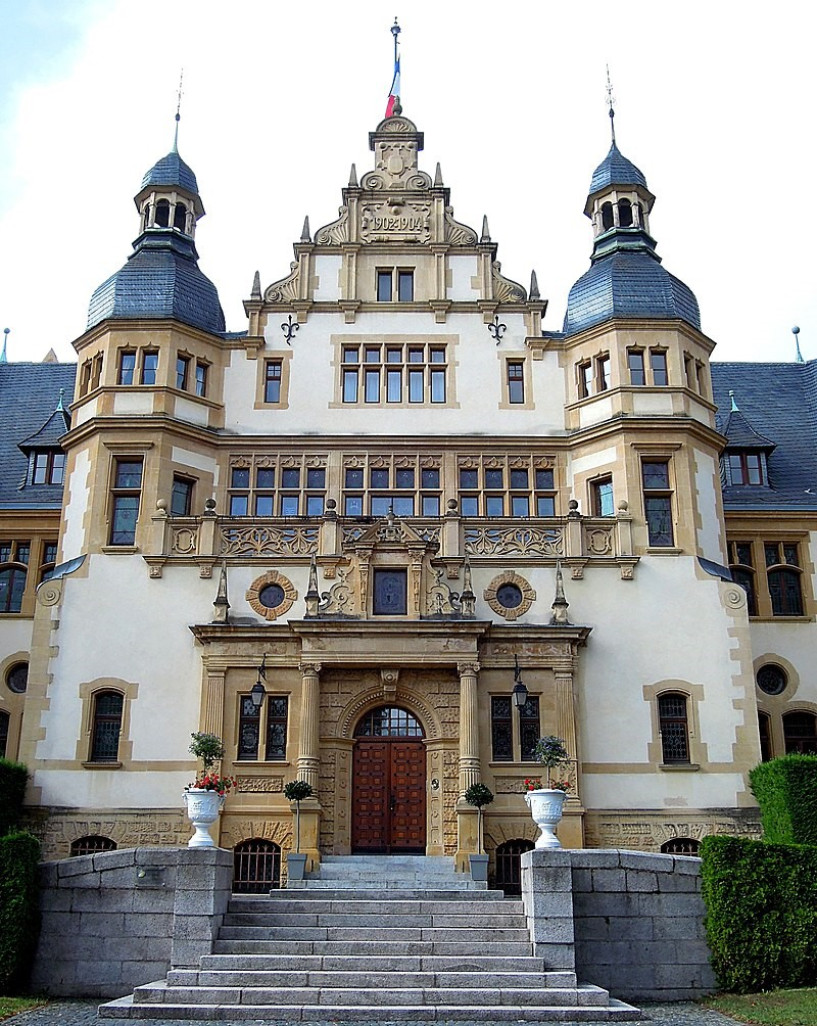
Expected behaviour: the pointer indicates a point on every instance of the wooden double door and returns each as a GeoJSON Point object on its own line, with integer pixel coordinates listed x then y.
{"type": "Point", "coordinates": [389, 796]}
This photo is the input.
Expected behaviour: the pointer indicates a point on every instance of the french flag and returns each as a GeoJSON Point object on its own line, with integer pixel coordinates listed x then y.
{"type": "Point", "coordinates": [394, 92]}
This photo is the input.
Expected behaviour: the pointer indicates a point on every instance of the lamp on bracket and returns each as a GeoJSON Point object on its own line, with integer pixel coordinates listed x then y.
{"type": "Point", "coordinates": [258, 689]}
{"type": "Point", "coordinates": [520, 692]}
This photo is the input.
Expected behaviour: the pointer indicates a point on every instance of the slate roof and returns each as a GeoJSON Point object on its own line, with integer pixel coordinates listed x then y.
{"type": "Point", "coordinates": [615, 169]}
{"type": "Point", "coordinates": [171, 170]}
{"type": "Point", "coordinates": [161, 279]}
{"type": "Point", "coordinates": [628, 284]}
{"type": "Point", "coordinates": [779, 402]}
{"type": "Point", "coordinates": [29, 393]}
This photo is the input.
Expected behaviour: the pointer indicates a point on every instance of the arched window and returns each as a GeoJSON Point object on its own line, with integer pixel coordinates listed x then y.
{"type": "Point", "coordinates": [12, 586]}
{"type": "Point", "coordinates": [639, 215]}
{"type": "Point", "coordinates": [91, 844]}
{"type": "Point", "coordinates": [681, 846]}
{"type": "Point", "coordinates": [625, 213]}
{"type": "Point", "coordinates": [672, 722]}
{"type": "Point", "coordinates": [162, 216]}
{"type": "Point", "coordinates": [4, 733]}
{"type": "Point", "coordinates": [508, 865]}
{"type": "Point", "coordinates": [607, 215]}
{"type": "Point", "coordinates": [389, 721]}
{"type": "Point", "coordinates": [800, 733]}
{"type": "Point", "coordinates": [17, 678]}
{"type": "Point", "coordinates": [106, 726]}
{"type": "Point", "coordinates": [256, 866]}
{"type": "Point", "coordinates": [180, 217]}
{"type": "Point", "coordinates": [764, 726]}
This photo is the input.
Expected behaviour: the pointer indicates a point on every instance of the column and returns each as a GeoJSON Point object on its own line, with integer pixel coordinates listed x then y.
{"type": "Point", "coordinates": [309, 744]}
{"type": "Point", "coordinates": [469, 726]}
{"type": "Point", "coordinates": [467, 816]}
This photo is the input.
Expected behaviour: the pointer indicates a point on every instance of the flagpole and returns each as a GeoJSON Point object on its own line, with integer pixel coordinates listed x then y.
{"type": "Point", "coordinates": [393, 107]}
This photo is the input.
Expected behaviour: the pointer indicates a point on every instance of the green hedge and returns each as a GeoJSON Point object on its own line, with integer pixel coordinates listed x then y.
{"type": "Point", "coordinates": [761, 913]}
{"type": "Point", "coordinates": [19, 909]}
{"type": "Point", "coordinates": [13, 776]}
{"type": "Point", "coordinates": [786, 791]}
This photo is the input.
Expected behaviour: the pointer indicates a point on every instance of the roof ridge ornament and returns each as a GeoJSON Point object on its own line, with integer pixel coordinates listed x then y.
{"type": "Point", "coordinates": [611, 100]}
{"type": "Point", "coordinates": [178, 113]}
{"type": "Point", "coordinates": [733, 402]}
{"type": "Point", "coordinates": [795, 331]}
{"type": "Point", "coordinates": [3, 357]}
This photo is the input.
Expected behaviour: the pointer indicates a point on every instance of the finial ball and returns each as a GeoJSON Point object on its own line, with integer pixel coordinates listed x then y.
{"type": "Point", "coordinates": [795, 330]}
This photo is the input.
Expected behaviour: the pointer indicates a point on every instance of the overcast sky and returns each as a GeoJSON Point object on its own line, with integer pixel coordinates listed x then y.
{"type": "Point", "coordinates": [714, 102]}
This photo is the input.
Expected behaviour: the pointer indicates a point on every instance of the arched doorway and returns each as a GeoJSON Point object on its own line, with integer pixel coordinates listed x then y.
{"type": "Point", "coordinates": [389, 784]}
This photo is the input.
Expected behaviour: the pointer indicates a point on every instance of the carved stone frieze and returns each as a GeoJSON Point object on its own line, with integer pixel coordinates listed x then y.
{"type": "Point", "coordinates": [254, 783]}
{"type": "Point", "coordinates": [440, 599]}
{"type": "Point", "coordinates": [285, 290]}
{"type": "Point", "coordinates": [389, 221]}
{"type": "Point", "coordinates": [514, 541]}
{"type": "Point", "coordinates": [647, 831]}
{"type": "Point", "coordinates": [269, 541]}
{"type": "Point", "coordinates": [341, 597]}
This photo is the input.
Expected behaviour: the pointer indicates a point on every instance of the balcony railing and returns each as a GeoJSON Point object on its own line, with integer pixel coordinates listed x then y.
{"type": "Point", "coordinates": [575, 541]}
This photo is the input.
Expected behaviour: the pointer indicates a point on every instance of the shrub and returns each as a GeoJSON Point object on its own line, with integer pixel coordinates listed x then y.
{"type": "Point", "coordinates": [19, 909]}
{"type": "Point", "coordinates": [761, 913]}
{"type": "Point", "coordinates": [13, 777]}
{"type": "Point", "coordinates": [786, 790]}
{"type": "Point", "coordinates": [207, 747]}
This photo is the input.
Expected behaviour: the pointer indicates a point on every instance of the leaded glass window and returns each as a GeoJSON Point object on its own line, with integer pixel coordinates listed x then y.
{"type": "Point", "coordinates": [672, 715]}
{"type": "Point", "coordinates": [529, 732]}
{"type": "Point", "coordinates": [277, 715]}
{"type": "Point", "coordinates": [389, 721]}
{"type": "Point", "coordinates": [107, 724]}
{"type": "Point", "coordinates": [501, 729]}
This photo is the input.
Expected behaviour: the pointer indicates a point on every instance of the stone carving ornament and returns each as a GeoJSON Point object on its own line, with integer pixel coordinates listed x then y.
{"type": "Point", "coordinates": [509, 595]}
{"type": "Point", "coordinates": [271, 595]}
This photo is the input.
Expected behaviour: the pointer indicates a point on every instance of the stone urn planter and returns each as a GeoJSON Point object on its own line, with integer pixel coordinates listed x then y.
{"type": "Point", "coordinates": [203, 808]}
{"type": "Point", "coordinates": [479, 868]}
{"type": "Point", "coordinates": [296, 866]}
{"type": "Point", "coordinates": [546, 806]}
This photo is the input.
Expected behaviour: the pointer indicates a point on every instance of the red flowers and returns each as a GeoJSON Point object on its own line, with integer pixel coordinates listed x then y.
{"type": "Point", "coordinates": [213, 782]}
{"type": "Point", "coordinates": [532, 783]}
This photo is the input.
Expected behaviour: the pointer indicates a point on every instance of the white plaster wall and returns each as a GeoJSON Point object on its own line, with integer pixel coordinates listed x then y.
{"type": "Point", "coordinates": [463, 269]}
{"type": "Point", "coordinates": [15, 636]}
{"type": "Point", "coordinates": [710, 536]}
{"type": "Point", "coordinates": [646, 404]}
{"type": "Point", "coordinates": [793, 643]}
{"type": "Point", "coordinates": [327, 269]}
{"type": "Point", "coordinates": [128, 403]}
{"type": "Point", "coordinates": [87, 411]}
{"type": "Point", "coordinates": [75, 507]}
{"type": "Point", "coordinates": [196, 461]}
{"type": "Point", "coordinates": [97, 638]}
{"type": "Point", "coordinates": [596, 412]}
{"type": "Point", "coordinates": [475, 382]}
{"type": "Point", "coordinates": [641, 633]}
{"type": "Point", "coordinates": [193, 413]}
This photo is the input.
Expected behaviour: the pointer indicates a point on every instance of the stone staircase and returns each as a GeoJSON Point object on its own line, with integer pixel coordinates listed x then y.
{"type": "Point", "coordinates": [374, 938]}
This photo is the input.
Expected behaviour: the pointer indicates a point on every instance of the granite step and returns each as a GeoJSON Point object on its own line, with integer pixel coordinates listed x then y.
{"type": "Point", "coordinates": [371, 947]}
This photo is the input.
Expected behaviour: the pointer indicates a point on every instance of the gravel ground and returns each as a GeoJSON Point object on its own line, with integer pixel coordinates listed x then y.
{"type": "Point", "coordinates": [83, 1013]}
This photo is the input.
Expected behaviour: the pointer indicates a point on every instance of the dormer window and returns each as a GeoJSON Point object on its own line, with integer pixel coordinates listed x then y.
{"type": "Point", "coordinates": [47, 468]}
{"type": "Point", "coordinates": [745, 468]}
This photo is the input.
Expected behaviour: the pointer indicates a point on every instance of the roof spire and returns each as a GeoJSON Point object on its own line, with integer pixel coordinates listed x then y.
{"type": "Point", "coordinates": [611, 100]}
{"type": "Point", "coordinates": [733, 402]}
{"type": "Point", "coordinates": [60, 407]}
{"type": "Point", "coordinates": [795, 331]}
{"type": "Point", "coordinates": [178, 114]}
{"type": "Point", "coordinates": [3, 357]}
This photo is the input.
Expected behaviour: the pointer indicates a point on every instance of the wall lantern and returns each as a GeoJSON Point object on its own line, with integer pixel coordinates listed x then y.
{"type": "Point", "coordinates": [258, 689]}
{"type": "Point", "coordinates": [520, 692]}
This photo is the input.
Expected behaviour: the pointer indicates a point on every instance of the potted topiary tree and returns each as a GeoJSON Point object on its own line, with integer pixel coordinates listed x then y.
{"type": "Point", "coordinates": [547, 803]}
{"type": "Point", "coordinates": [479, 795]}
{"type": "Point", "coordinates": [296, 791]}
{"type": "Point", "coordinates": [204, 797]}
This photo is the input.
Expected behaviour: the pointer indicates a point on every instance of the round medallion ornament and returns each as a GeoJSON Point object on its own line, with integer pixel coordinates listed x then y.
{"type": "Point", "coordinates": [772, 679]}
{"type": "Point", "coordinates": [509, 595]}
{"type": "Point", "coordinates": [272, 595]}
